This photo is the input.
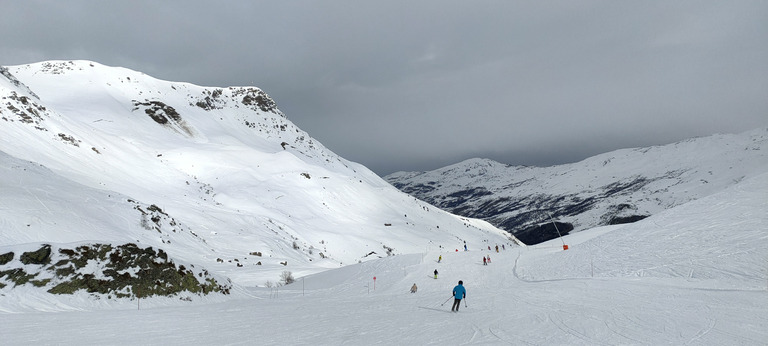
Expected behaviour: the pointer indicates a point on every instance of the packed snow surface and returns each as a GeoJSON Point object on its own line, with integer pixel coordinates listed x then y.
{"type": "Point", "coordinates": [694, 274]}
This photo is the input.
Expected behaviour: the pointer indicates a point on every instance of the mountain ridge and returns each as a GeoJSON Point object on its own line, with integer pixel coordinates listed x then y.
{"type": "Point", "coordinates": [615, 187]}
{"type": "Point", "coordinates": [218, 177]}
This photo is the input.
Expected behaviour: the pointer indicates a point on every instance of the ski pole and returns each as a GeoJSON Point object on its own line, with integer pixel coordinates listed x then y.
{"type": "Point", "coordinates": [465, 302]}
{"type": "Point", "coordinates": [449, 298]}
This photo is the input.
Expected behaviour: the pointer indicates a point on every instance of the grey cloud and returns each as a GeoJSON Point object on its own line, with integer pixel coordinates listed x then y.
{"type": "Point", "coordinates": [404, 85]}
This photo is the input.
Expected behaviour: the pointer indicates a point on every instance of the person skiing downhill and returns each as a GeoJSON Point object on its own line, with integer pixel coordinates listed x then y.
{"type": "Point", "coordinates": [439, 258]}
{"type": "Point", "coordinates": [435, 273]}
{"type": "Point", "coordinates": [414, 288]}
{"type": "Point", "coordinates": [459, 292]}
{"type": "Point", "coordinates": [484, 261]}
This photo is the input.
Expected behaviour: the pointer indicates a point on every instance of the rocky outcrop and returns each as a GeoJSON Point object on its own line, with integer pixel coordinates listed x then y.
{"type": "Point", "coordinates": [122, 271]}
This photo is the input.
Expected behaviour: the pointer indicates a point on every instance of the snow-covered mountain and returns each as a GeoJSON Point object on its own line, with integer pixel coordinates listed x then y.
{"type": "Point", "coordinates": [616, 187]}
{"type": "Point", "coordinates": [217, 178]}
{"type": "Point", "coordinates": [694, 274]}
{"type": "Point", "coordinates": [97, 174]}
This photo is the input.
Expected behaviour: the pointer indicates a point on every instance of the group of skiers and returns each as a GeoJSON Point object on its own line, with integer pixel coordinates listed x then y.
{"type": "Point", "coordinates": [489, 248]}
{"type": "Point", "coordinates": [459, 292]}
{"type": "Point", "coordinates": [497, 248]}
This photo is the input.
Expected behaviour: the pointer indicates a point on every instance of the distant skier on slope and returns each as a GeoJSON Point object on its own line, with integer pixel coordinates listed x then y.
{"type": "Point", "coordinates": [485, 263]}
{"type": "Point", "coordinates": [459, 292]}
{"type": "Point", "coordinates": [435, 273]}
{"type": "Point", "coordinates": [414, 288]}
{"type": "Point", "coordinates": [439, 258]}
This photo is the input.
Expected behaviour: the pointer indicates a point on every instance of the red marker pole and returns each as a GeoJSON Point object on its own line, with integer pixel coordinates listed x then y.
{"type": "Point", "coordinates": [374, 283]}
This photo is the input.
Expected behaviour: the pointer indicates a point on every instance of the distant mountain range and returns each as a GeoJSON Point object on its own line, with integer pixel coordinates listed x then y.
{"type": "Point", "coordinates": [616, 187]}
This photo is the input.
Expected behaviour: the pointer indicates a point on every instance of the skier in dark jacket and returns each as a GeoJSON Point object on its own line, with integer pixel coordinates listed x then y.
{"type": "Point", "coordinates": [459, 292]}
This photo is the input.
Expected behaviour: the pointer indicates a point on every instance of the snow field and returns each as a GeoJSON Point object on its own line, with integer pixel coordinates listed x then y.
{"type": "Point", "coordinates": [341, 307]}
{"type": "Point", "coordinates": [639, 293]}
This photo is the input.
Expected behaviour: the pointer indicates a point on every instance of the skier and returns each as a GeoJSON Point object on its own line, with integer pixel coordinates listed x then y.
{"type": "Point", "coordinates": [497, 249]}
{"type": "Point", "coordinates": [459, 292]}
{"type": "Point", "coordinates": [484, 261]}
{"type": "Point", "coordinates": [414, 288]}
{"type": "Point", "coordinates": [489, 258]}
{"type": "Point", "coordinates": [435, 273]}
{"type": "Point", "coordinates": [465, 247]}
{"type": "Point", "coordinates": [439, 258]}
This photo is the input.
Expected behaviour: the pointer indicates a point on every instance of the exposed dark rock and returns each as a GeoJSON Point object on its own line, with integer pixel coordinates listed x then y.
{"type": "Point", "coordinates": [457, 199]}
{"type": "Point", "coordinates": [158, 111]}
{"type": "Point", "coordinates": [256, 99]}
{"type": "Point", "coordinates": [69, 139]}
{"type": "Point", "coordinates": [211, 100]}
{"type": "Point", "coordinates": [17, 275]}
{"type": "Point", "coordinates": [41, 256]}
{"type": "Point", "coordinates": [544, 232]}
{"type": "Point", "coordinates": [618, 220]}
{"type": "Point", "coordinates": [121, 271]}
{"type": "Point", "coordinates": [6, 257]}
{"type": "Point", "coordinates": [11, 78]}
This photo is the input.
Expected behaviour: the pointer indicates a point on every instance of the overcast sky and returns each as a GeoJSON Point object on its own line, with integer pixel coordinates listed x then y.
{"type": "Point", "coordinates": [417, 85]}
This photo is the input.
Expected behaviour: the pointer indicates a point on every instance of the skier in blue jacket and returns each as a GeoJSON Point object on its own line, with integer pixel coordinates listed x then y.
{"type": "Point", "coordinates": [459, 292]}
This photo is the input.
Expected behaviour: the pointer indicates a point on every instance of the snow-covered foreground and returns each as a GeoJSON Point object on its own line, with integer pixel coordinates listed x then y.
{"type": "Point", "coordinates": [695, 274]}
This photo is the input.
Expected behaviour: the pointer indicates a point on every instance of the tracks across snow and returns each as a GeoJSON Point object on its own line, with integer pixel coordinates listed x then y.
{"type": "Point", "coordinates": [341, 307]}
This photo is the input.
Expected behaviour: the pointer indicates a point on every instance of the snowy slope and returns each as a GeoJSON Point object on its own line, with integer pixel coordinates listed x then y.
{"type": "Point", "coordinates": [232, 185]}
{"type": "Point", "coordinates": [692, 274]}
{"type": "Point", "coordinates": [610, 188]}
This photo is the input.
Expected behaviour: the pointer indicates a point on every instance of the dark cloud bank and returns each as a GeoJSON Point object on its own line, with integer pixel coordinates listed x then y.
{"type": "Point", "coordinates": [405, 85]}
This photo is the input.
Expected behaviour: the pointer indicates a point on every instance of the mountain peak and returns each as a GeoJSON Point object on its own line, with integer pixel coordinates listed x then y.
{"type": "Point", "coordinates": [218, 177]}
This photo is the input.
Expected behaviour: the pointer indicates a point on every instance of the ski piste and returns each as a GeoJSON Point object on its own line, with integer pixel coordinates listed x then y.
{"type": "Point", "coordinates": [434, 309]}
{"type": "Point", "coordinates": [440, 309]}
